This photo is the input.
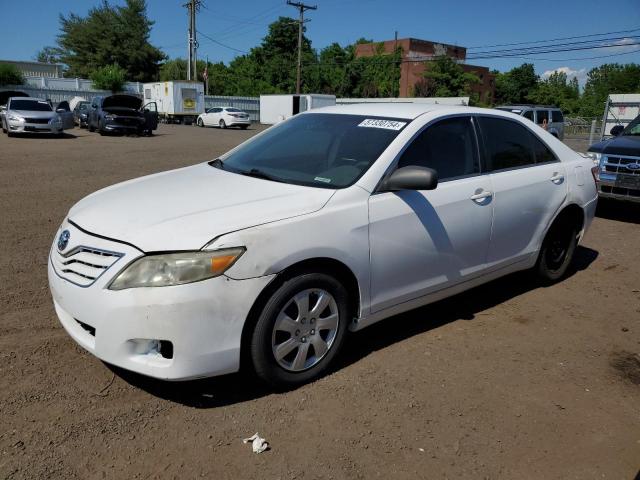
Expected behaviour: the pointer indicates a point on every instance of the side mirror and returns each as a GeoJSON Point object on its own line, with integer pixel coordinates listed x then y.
{"type": "Point", "coordinates": [60, 110]}
{"type": "Point", "coordinates": [411, 178]}
{"type": "Point", "coordinates": [617, 130]}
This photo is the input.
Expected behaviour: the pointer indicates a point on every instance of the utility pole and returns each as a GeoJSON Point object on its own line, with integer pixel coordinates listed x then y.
{"type": "Point", "coordinates": [302, 8]}
{"type": "Point", "coordinates": [192, 7]}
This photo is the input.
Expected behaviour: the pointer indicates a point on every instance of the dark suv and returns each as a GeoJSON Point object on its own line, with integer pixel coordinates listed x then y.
{"type": "Point", "coordinates": [122, 113]}
{"type": "Point", "coordinates": [618, 161]}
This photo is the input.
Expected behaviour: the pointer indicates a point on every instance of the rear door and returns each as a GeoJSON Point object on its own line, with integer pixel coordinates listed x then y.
{"type": "Point", "coordinates": [528, 183]}
{"type": "Point", "coordinates": [423, 241]}
{"type": "Point", "coordinates": [64, 110]}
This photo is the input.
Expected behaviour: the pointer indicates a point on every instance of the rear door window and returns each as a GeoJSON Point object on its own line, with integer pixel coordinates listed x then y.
{"type": "Point", "coordinates": [507, 144]}
{"type": "Point", "coordinates": [448, 146]}
{"type": "Point", "coordinates": [542, 116]}
{"type": "Point", "coordinates": [556, 116]}
{"type": "Point", "coordinates": [528, 115]}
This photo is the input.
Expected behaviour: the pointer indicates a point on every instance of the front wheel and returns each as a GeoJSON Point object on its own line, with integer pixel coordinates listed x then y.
{"type": "Point", "coordinates": [200, 122]}
{"type": "Point", "coordinates": [557, 252]}
{"type": "Point", "coordinates": [222, 124]}
{"type": "Point", "coordinates": [300, 330]}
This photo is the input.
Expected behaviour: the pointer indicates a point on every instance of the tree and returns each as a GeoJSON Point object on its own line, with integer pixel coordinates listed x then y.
{"type": "Point", "coordinates": [445, 78]}
{"type": "Point", "coordinates": [10, 75]}
{"type": "Point", "coordinates": [48, 55]}
{"type": "Point", "coordinates": [556, 91]}
{"type": "Point", "coordinates": [111, 77]}
{"type": "Point", "coordinates": [516, 85]}
{"type": "Point", "coordinates": [110, 35]}
{"type": "Point", "coordinates": [605, 80]}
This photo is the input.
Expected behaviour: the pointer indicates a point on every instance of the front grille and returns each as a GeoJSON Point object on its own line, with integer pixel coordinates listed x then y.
{"type": "Point", "coordinates": [39, 121]}
{"type": "Point", "coordinates": [84, 265]}
{"type": "Point", "coordinates": [618, 164]}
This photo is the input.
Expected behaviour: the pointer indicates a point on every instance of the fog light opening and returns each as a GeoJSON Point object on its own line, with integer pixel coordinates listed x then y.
{"type": "Point", "coordinates": [166, 349]}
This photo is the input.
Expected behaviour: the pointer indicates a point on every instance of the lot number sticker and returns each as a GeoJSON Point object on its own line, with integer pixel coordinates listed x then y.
{"type": "Point", "coordinates": [386, 124]}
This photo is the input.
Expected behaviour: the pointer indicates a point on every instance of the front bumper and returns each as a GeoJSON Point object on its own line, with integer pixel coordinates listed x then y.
{"type": "Point", "coordinates": [119, 127]}
{"type": "Point", "coordinates": [607, 189]}
{"type": "Point", "coordinates": [23, 127]}
{"type": "Point", "coordinates": [203, 321]}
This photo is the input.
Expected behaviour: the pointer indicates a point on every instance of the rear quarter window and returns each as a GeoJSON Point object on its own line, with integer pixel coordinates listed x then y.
{"type": "Point", "coordinates": [556, 116]}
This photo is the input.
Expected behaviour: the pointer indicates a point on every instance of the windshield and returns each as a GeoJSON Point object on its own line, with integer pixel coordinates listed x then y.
{"type": "Point", "coordinates": [83, 105]}
{"type": "Point", "coordinates": [316, 149]}
{"type": "Point", "coordinates": [633, 128]}
{"type": "Point", "coordinates": [31, 105]}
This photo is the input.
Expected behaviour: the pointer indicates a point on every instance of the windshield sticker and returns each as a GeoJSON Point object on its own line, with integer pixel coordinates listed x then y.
{"type": "Point", "coordinates": [322, 179]}
{"type": "Point", "coordinates": [386, 124]}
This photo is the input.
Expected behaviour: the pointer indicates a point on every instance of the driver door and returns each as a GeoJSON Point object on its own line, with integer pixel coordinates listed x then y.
{"type": "Point", "coordinates": [150, 116]}
{"type": "Point", "coordinates": [424, 241]}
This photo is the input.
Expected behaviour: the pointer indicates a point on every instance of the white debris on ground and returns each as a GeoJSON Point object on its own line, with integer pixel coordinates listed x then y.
{"type": "Point", "coordinates": [258, 443]}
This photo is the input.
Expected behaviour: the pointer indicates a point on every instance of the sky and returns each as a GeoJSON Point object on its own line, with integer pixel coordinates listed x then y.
{"type": "Point", "coordinates": [28, 26]}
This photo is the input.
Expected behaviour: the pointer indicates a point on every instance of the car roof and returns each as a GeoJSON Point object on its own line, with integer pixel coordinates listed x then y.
{"type": "Point", "coordinates": [389, 109]}
{"type": "Point", "coordinates": [532, 107]}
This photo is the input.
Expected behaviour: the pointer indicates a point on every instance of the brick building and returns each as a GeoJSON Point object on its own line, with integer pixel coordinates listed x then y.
{"type": "Point", "coordinates": [416, 52]}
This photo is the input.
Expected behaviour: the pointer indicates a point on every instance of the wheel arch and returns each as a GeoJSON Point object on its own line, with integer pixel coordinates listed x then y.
{"type": "Point", "coordinates": [571, 212]}
{"type": "Point", "coordinates": [329, 266]}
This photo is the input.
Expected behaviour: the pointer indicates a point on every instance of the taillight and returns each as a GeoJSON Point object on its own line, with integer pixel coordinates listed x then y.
{"type": "Point", "coordinates": [595, 171]}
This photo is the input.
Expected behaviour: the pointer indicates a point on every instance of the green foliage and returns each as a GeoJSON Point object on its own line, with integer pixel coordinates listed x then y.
{"type": "Point", "coordinates": [111, 77]}
{"type": "Point", "coordinates": [107, 35]}
{"type": "Point", "coordinates": [607, 79]}
{"type": "Point", "coordinates": [445, 78]}
{"type": "Point", "coordinates": [556, 91]}
{"type": "Point", "coordinates": [10, 75]}
{"type": "Point", "coordinates": [516, 85]}
{"type": "Point", "coordinates": [48, 55]}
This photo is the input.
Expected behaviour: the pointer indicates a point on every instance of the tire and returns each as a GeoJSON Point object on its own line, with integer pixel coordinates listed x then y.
{"type": "Point", "coordinates": [557, 252]}
{"type": "Point", "coordinates": [4, 128]}
{"type": "Point", "coordinates": [200, 122]}
{"type": "Point", "coordinates": [91, 128]}
{"type": "Point", "coordinates": [306, 351]}
{"type": "Point", "coordinates": [221, 124]}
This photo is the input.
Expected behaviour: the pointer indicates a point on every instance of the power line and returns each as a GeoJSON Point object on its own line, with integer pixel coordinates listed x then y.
{"type": "Point", "coordinates": [573, 49]}
{"type": "Point", "coordinates": [553, 39]}
{"type": "Point", "coordinates": [543, 47]}
{"type": "Point", "coordinates": [222, 44]}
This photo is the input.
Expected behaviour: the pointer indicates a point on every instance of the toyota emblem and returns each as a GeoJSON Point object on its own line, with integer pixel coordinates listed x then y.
{"type": "Point", "coordinates": [63, 240]}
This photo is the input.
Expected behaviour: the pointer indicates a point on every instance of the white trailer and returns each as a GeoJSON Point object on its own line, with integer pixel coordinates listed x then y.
{"type": "Point", "coordinates": [276, 108]}
{"type": "Point", "coordinates": [178, 101]}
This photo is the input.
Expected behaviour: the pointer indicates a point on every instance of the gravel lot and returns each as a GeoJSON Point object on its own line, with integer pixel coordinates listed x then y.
{"type": "Point", "coordinates": [509, 380]}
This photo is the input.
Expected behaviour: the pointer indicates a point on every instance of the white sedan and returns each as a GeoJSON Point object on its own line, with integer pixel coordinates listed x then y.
{"type": "Point", "coordinates": [330, 221]}
{"type": "Point", "coordinates": [224, 117]}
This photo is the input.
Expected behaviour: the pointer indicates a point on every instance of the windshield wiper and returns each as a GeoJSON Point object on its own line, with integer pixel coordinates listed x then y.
{"type": "Point", "coordinates": [254, 172]}
{"type": "Point", "coordinates": [217, 163]}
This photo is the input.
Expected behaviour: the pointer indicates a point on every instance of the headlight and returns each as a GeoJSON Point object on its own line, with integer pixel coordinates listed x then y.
{"type": "Point", "coordinates": [16, 118]}
{"type": "Point", "coordinates": [175, 268]}
{"type": "Point", "coordinates": [55, 120]}
{"type": "Point", "coordinates": [595, 156]}
{"type": "Point", "coordinates": [109, 117]}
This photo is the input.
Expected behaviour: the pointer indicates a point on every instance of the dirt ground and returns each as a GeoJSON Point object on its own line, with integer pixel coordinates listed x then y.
{"type": "Point", "coordinates": [509, 380]}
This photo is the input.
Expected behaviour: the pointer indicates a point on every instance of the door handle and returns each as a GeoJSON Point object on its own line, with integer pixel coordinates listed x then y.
{"type": "Point", "coordinates": [557, 178]}
{"type": "Point", "coordinates": [481, 196]}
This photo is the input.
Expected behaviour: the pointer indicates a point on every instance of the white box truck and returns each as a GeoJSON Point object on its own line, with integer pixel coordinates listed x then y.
{"type": "Point", "coordinates": [276, 108]}
{"type": "Point", "coordinates": [178, 101]}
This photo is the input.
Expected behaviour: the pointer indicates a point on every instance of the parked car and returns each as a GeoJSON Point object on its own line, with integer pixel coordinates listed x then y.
{"type": "Point", "coordinates": [122, 114]}
{"type": "Point", "coordinates": [618, 160]}
{"type": "Point", "coordinates": [548, 117]}
{"type": "Point", "coordinates": [81, 113]}
{"type": "Point", "coordinates": [30, 115]}
{"type": "Point", "coordinates": [329, 221]}
{"type": "Point", "coordinates": [224, 117]}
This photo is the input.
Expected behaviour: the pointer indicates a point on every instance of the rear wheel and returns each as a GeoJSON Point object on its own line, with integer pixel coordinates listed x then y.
{"type": "Point", "coordinates": [300, 330]}
{"type": "Point", "coordinates": [557, 251]}
{"type": "Point", "coordinates": [222, 124]}
{"type": "Point", "coordinates": [4, 128]}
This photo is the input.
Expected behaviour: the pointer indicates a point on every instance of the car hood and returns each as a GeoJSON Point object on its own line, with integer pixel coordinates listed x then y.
{"type": "Point", "coordinates": [622, 145]}
{"type": "Point", "coordinates": [126, 101]}
{"type": "Point", "coordinates": [34, 114]}
{"type": "Point", "coordinates": [187, 208]}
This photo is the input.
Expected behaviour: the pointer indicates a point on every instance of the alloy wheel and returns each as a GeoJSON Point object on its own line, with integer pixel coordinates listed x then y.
{"type": "Point", "coordinates": [305, 329]}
